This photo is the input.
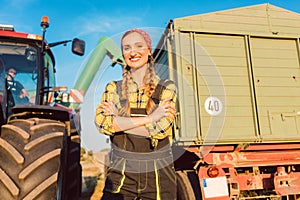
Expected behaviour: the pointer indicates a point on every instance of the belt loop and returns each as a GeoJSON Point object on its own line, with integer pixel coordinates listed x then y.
{"type": "Point", "coordinates": [154, 143]}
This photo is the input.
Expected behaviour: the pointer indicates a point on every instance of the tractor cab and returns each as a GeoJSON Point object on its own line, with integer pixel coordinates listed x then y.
{"type": "Point", "coordinates": [27, 68]}
{"type": "Point", "coordinates": [19, 71]}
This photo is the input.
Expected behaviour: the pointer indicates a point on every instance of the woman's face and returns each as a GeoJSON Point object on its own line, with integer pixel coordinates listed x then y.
{"type": "Point", "coordinates": [135, 50]}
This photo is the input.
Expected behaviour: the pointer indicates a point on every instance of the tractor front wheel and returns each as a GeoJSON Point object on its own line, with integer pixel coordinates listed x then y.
{"type": "Point", "coordinates": [30, 158]}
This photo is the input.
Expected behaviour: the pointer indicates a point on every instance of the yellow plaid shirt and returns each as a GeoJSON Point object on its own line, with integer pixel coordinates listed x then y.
{"type": "Point", "coordinates": [137, 99]}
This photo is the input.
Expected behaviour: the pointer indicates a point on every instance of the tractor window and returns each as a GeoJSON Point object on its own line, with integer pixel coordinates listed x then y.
{"type": "Point", "coordinates": [49, 69]}
{"type": "Point", "coordinates": [49, 77]}
{"type": "Point", "coordinates": [20, 64]}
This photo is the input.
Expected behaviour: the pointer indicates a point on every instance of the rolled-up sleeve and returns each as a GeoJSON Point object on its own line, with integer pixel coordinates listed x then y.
{"type": "Point", "coordinates": [104, 123]}
{"type": "Point", "coordinates": [163, 127]}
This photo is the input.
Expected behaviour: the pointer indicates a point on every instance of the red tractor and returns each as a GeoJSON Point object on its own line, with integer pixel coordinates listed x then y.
{"type": "Point", "coordinates": [40, 134]}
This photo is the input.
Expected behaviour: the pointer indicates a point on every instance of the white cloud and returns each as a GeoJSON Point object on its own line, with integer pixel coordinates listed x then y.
{"type": "Point", "coordinates": [104, 24]}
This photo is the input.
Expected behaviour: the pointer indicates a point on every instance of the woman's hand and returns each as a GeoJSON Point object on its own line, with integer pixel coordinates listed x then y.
{"type": "Point", "coordinates": [164, 109]}
{"type": "Point", "coordinates": [108, 108]}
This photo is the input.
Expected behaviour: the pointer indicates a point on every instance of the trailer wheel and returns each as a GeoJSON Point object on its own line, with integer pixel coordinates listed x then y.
{"type": "Point", "coordinates": [30, 152]}
{"type": "Point", "coordinates": [187, 186]}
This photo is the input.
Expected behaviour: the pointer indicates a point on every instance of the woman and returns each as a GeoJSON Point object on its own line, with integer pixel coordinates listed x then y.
{"type": "Point", "coordinates": [138, 117]}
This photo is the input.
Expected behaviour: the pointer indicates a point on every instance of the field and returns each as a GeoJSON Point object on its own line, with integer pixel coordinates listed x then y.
{"type": "Point", "coordinates": [93, 169]}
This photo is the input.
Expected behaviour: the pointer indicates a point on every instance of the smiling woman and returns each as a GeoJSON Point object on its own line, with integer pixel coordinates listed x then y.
{"type": "Point", "coordinates": [139, 122]}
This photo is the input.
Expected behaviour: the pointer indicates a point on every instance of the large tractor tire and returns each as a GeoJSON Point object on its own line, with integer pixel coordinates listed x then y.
{"type": "Point", "coordinates": [31, 151]}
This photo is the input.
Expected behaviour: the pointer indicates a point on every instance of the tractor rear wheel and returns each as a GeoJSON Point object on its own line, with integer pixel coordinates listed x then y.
{"type": "Point", "coordinates": [30, 158]}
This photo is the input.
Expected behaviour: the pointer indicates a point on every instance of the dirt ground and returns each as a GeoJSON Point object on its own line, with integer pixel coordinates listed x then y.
{"type": "Point", "coordinates": [92, 178]}
{"type": "Point", "coordinates": [94, 192]}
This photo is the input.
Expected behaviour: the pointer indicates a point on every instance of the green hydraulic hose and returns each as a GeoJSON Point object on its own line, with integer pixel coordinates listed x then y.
{"type": "Point", "coordinates": [105, 46]}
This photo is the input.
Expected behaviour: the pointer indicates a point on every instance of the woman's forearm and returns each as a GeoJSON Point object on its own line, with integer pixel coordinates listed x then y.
{"type": "Point", "coordinates": [128, 123]}
{"type": "Point", "coordinates": [140, 131]}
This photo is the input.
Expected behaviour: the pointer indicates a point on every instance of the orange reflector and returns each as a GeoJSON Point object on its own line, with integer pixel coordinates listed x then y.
{"type": "Point", "coordinates": [213, 172]}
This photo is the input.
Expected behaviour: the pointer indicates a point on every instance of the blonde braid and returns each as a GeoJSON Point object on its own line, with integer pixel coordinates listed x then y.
{"type": "Point", "coordinates": [125, 111]}
{"type": "Point", "coordinates": [149, 82]}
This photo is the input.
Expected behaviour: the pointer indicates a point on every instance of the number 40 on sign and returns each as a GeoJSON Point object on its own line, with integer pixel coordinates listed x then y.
{"type": "Point", "coordinates": [213, 106]}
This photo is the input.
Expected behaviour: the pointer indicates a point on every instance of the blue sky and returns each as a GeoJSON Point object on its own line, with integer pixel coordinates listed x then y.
{"type": "Point", "coordinates": [89, 20]}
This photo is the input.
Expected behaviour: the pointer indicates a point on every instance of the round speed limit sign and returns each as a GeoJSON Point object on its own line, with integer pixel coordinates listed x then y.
{"type": "Point", "coordinates": [213, 106]}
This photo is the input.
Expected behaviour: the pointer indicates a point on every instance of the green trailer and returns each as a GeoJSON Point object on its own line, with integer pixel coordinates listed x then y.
{"type": "Point", "coordinates": [237, 132]}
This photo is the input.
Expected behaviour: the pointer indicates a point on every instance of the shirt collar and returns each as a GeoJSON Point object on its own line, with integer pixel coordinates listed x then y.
{"type": "Point", "coordinates": [134, 87]}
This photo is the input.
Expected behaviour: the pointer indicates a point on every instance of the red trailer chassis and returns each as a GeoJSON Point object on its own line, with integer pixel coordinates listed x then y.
{"type": "Point", "coordinates": [248, 171]}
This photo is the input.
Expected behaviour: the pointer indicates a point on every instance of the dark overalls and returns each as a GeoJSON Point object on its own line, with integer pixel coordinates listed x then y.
{"type": "Point", "coordinates": [138, 171]}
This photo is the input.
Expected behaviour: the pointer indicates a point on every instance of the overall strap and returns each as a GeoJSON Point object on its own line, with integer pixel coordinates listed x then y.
{"type": "Point", "coordinates": [161, 86]}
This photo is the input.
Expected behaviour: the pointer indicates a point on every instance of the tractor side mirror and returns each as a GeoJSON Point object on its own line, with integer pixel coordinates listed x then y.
{"type": "Point", "coordinates": [78, 46]}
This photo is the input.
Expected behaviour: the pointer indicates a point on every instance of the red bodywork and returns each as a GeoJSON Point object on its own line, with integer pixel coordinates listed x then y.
{"type": "Point", "coordinates": [270, 169]}
{"type": "Point", "coordinates": [10, 33]}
